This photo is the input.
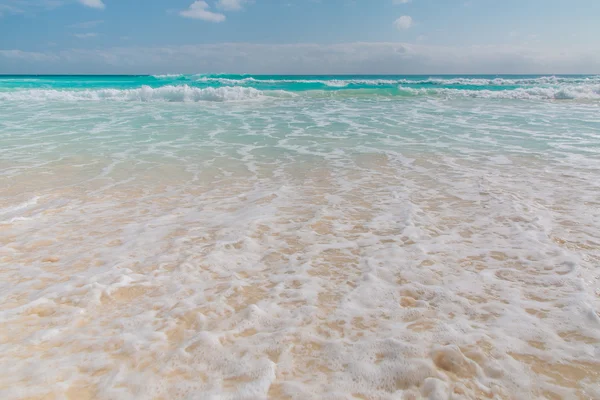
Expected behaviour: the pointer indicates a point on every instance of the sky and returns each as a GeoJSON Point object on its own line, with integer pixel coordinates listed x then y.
{"type": "Point", "coordinates": [300, 36]}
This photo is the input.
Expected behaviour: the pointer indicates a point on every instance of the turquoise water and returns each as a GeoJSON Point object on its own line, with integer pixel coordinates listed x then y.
{"type": "Point", "coordinates": [524, 86]}
{"type": "Point", "coordinates": [339, 237]}
{"type": "Point", "coordinates": [312, 115]}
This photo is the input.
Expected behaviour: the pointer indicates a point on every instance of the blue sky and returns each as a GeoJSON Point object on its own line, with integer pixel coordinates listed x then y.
{"type": "Point", "coordinates": [300, 36]}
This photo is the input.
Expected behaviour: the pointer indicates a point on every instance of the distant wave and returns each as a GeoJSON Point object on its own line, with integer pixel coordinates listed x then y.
{"type": "Point", "coordinates": [340, 82]}
{"type": "Point", "coordinates": [580, 92]}
{"type": "Point", "coordinates": [543, 80]}
{"type": "Point", "coordinates": [168, 76]}
{"type": "Point", "coordinates": [167, 93]}
{"type": "Point", "coordinates": [251, 80]}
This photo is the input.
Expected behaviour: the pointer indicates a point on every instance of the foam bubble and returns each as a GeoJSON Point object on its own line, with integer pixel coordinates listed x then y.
{"type": "Point", "coordinates": [570, 92]}
{"type": "Point", "coordinates": [145, 93]}
{"type": "Point", "coordinates": [463, 81]}
{"type": "Point", "coordinates": [168, 76]}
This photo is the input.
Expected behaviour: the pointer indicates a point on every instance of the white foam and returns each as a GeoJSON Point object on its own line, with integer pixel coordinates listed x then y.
{"type": "Point", "coordinates": [168, 76]}
{"type": "Point", "coordinates": [186, 93]}
{"type": "Point", "coordinates": [567, 92]}
{"type": "Point", "coordinates": [336, 83]}
{"type": "Point", "coordinates": [251, 80]}
{"type": "Point", "coordinates": [168, 93]}
{"type": "Point", "coordinates": [17, 208]}
{"type": "Point", "coordinates": [544, 80]}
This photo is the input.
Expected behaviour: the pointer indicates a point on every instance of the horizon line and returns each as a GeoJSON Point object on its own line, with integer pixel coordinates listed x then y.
{"type": "Point", "coordinates": [284, 74]}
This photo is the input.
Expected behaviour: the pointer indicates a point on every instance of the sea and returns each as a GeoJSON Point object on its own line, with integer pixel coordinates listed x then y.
{"type": "Point", "coordinates": [218, 236]}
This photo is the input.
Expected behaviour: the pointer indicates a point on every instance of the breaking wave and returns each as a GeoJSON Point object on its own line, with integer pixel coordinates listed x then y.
{"type": "Point", "coordinates": [189, 93]}
{"type": "Point", "coordinates": [384, 81]}
{"type": "Point", "coordinates": [580, 92]}
{"type": "Point", "coordinates": [169, 93]}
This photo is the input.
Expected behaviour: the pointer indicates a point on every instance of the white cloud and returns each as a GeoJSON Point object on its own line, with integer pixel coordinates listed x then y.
{"type": "Point", "coordinates": [232, 5]}
{"type": "Point", "coordinates": [404, 22]}
{"type": "Point", "coordinates": [87, 35]}
{"type": "Point", "coordinates": [199, 10]}
{"type": "Point", "coordinates": [86, 24]}
{"type": "Point", "coordinates": [402, 1]}
{"type": "Point", "coordinates": [93, 3]}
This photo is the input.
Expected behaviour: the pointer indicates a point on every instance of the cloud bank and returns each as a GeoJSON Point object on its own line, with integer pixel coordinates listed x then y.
{"type": "Point", "coordinates": [200, 10]}
{"type": "Point", "coordinates": [344, 58]}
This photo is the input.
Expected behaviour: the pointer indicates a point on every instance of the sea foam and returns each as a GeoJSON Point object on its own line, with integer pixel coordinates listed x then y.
{"type": "Point", "coordinates": [169, 93]}
{"type": "Point", "coordinates": [564, 92]}
{"type": "Point", "coordinates": [187, 93]}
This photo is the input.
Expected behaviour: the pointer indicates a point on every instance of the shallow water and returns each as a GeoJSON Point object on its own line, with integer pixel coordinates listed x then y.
{"type": "Point", "coordinates": [284, 243]}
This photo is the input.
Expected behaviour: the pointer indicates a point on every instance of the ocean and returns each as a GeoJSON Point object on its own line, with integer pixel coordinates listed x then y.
{"type": "Point", "coordinates": [299, 237]}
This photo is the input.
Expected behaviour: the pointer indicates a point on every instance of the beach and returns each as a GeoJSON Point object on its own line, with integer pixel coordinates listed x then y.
{"type": "Point", "coordinates": [286, 237]}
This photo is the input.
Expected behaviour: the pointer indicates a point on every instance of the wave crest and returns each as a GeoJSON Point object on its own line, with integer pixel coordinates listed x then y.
{"type": "Point", "coordinates": [185, 93]}
{"type": "Point", "coordinates": [168, 93]}
{"type": "Point", "coordinates": [581, 92]}
{"type": "Point", "coordinates": [339, 82]}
